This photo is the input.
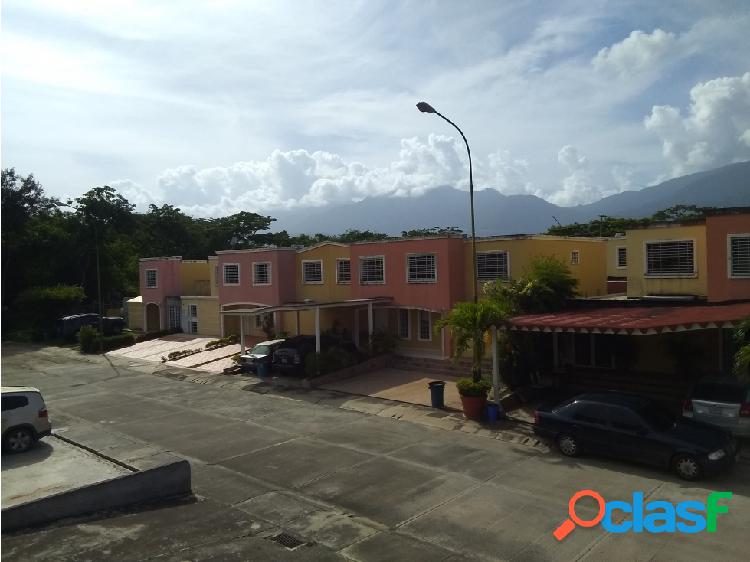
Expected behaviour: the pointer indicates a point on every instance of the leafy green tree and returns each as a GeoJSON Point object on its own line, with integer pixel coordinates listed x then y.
{"type": "Point", "coordinates": [355, 235]}
{"type": "Point", "coordinates": [433, 231]}
{"type": "Point", "coordinates": [43, 305]}
{"type": "Point", "coordinates": [545, 286]}
{"type": "Point", "coordinates": [741, 365]}
{"type": "Point", "coordinates": [681, 212]}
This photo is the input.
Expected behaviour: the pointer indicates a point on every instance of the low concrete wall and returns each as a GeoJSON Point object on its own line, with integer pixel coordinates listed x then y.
{"type": "Point", "coordinates": [161, 482]}
{"type": "Point", "coordinates": [379, 362]}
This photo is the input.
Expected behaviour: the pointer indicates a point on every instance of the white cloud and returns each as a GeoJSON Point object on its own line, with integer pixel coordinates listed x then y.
{"type": "Point", "coordinates": [715, 130]}
{"type": "Point", "coordinates": [578, 187]}
{"type": "Point", "coordinates": [637, 53]}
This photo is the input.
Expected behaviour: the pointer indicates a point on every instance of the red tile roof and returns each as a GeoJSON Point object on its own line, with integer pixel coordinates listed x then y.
{"type": "Point", "coordinates": [635, 320]}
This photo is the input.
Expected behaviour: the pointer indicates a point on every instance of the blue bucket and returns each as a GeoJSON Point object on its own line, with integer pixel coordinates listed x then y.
{"type": "Point", "coordinates": [493, 413]}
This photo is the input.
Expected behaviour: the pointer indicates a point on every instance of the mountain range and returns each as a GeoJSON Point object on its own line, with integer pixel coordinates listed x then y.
{"type": "Point", "coordinates": [495, 213]}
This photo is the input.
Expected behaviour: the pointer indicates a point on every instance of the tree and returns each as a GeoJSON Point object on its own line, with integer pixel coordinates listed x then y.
{"type": "Point", "coordinates": [465, 320]}
{"type": "Point", "coordinates": [741, 365]}
{"type": "Point", "coordinates": [544, 287]}
{"type": "Point", "coordinates": [681, 212]}
{"type": "Point", "coordinates": [354, 235]}
{"type": "Point", "coordinates": [433, 231]}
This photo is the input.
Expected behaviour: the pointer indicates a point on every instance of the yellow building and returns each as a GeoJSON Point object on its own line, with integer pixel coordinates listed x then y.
{"type": "Point", "coordinates": [667, 260]}
{"type": "Point", "coordinates": [510, 256]}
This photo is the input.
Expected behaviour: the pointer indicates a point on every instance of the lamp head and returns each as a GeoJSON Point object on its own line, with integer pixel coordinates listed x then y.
{"type": "Point", "coordinates": [425, 107]}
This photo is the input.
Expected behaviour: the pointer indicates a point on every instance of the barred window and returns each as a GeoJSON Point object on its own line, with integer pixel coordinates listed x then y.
{"type": "Point", "coordinates": [674, 257]}
{"type": "Point", "coordinates": [343, 272]}
{"type": "Point", "coordinates": [492, 265]}
{"type": "Point", "coordinates": [151, 278]}
{"type": "Point", "coordinates": [421, 268]}
{"type": "Point", "coordinates": [231, 274]}
{"type": "Point", "coordinates": [739, 256]}
{"type": "Point", "coordinates": [404, 331]}
{"type": "Point", "coordinates": [312, 271]}
{"type": "Point", "coordinates": [193, 310]}
{"type": "Point", "coordinates": [194, 327]}
{"type": "Point", "coordinates": [425, 327]}
{"type": "Point", "coordinates": [575, 257]}
{"type": "Point", "coordinates": [371, 270]}
{"type": "Point", "coordinates": [622, 257]}
{"type": "Point", "coordinates": [262, 273]}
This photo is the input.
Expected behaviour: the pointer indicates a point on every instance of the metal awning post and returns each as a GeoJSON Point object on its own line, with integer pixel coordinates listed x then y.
{"type": "Point", "coordinates": [369, 323]}
{"type": "Point", "coordinates": [317, 329]}
{"type": "Point", "coordinates": [242, 334]}
{"type": "Point", "coordinates": [495, 367]}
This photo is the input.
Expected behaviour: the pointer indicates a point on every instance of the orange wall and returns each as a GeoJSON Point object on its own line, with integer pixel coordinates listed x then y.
{"type": "Point", "coordinates": [722, 287]}
{"type": "Point", "coordinates": [434, 296]}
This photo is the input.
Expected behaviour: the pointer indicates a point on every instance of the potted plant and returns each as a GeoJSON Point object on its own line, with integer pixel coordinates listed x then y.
{"type": "Point", "coordinates": [473, 396]}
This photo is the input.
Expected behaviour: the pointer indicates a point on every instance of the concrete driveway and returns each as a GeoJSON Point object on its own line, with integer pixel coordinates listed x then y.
{"type": "Point", "coordinates": [397, 384]}
{"type": "Point", "coordinates": [350, 486]}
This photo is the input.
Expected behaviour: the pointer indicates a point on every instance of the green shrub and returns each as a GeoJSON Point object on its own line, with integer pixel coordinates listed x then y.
{"type": "Point", "coordinates": [222, 342]}
{"type": "Point", "coordinates": [175, 355]}
{"type": "Point", "coordinates": [382, 343]}
{"type": "Point", "coordinates": [88, 338]}
{"type": "Point", "coordinates": [468, 387]}
{"type": "Point", "coordinates": [330, 361]}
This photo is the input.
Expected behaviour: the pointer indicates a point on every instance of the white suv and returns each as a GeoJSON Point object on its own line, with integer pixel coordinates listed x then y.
{"type": "Point", "coordinates": [25, 419]}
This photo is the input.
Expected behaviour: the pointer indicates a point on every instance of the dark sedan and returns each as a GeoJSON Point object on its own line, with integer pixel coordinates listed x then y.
{"type": "Point", "coordinates": [634, 428]}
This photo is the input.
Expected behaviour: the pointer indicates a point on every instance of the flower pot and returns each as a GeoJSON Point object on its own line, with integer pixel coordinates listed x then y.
{"type": "Point", "coordinates": [473, 406]}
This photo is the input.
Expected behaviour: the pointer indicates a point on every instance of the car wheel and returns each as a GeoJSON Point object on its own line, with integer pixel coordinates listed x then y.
{"type": "Point", "coordinates": [686, 467]}
{"type": "Point", "coordinates": [18, 440]}
{"type": "Point", "coordinates": [568, 445]}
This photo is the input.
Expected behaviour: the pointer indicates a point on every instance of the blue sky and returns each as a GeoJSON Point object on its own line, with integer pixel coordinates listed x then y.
{"type": "Point", "coordinates": [225, 106]}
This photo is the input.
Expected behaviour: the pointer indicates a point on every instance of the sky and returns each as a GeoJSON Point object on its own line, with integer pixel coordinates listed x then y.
{"type": "Point", "coordinates": [223, 106]}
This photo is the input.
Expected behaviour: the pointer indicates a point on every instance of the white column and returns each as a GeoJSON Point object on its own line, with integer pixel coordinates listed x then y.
{"type": "Point", "coordinates": [370, 329]}
{"type": "Point", "coordinates": [242, 334]}
{"type": "Point", "coordinates": [317, 329]}
{"type": "Point", "coordinates": [495, 367]}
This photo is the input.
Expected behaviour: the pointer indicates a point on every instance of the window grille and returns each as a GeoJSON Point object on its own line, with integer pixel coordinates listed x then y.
{"type": "Point", "coordinates": [343, 271]}
{"type": "Point", "coordinates": [193, 310]}
{"type": "Point", "coordinates": [231, 274]}
{"type": "Point", "coordinates": [261, 273]}
{"type": "Point", "coordinates": [739, 255]}
{"type": "Point", "coordinates": [425, 328]}
{"type": "Point", "coordinates": [194, 327]}
{"type": "Point", "coordinates": [371, 270]}
{"type": "Point", "coordinates": [151, 279]}
{"type": "Point", "coordinates": [312, 271]}
{"type": "Point", "coordinates": [622, 257]}
{"type": "Point", "coordinates": [492, 265]}
{"type": "Point", "coordinates": [421, 268]}
{"type": "Point", "coordinates": [674, 257]}
{"type": "Point", "coordinates": [575, 257]}
{"type": "Point", "coordinates": [403, 323]}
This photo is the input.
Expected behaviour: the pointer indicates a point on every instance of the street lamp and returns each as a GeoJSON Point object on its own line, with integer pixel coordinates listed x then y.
{"type": "Point", "coordinates": [425, 107]}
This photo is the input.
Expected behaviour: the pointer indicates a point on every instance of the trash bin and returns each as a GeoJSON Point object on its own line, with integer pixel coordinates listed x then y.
{"type": "Point", "coordinates": [493, 412]}
{"type": "Point", "coordinates": [262, 369]}
{"type": "Point", "coordinates": [437, 394]}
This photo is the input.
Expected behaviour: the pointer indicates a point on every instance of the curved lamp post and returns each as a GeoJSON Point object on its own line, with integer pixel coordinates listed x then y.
{"type": "Point", "coordinates": [425, 107]}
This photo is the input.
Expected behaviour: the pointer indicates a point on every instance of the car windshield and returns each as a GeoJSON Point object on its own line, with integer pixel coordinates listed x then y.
{"type": "Point", "coordinates": [261, 350]}
{"type": "Point", "coordinates": [656, 418]}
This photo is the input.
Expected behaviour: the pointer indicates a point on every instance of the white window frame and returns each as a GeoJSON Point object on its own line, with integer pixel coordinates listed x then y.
{"type": "Point", "coordinates": [156, 279]}
{"type": "Point", "coordinates": [575, 257]}
{"type": "Point", "coordinates": [419, 325]}
{"type": "Point", "coordinates": [255, 282]}
{"type": "Point", "coordinates": [193, 326]}
{"type": "Point", "coordinates": [493, 278]}
{"type": "Point", "coordinates": [730, 261]}
{"type": "Point", "coordinates": [361, 259]}
{"type": "Point", "coordinates": [192, 311]}
{"type": "Point", "coordinates": [338, 279]}
{"type": "Point", "coordinates": [648, 275]}
{"type": "Point", "coordinates": [421, 281]}
{"type": "Point", "coordinates": [399, 325]}
{"type": "Point", "coordinates": [617, 257]}
{"type": "Point", "coordinates": [305, 281]}
{"type": "Point", "coordinates": [224, 274]}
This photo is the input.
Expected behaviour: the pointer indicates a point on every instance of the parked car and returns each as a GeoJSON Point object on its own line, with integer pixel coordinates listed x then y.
{"type": "Point", "coordinates": [69, 326]}
{"type": "Point", "coordinates": [261, 353]}
{"type": "Point", "coordinates": [25, 418]}
{"type": "Point", "coordinates": [721, 402]}
{"type": "Point", "coordinates": [112, 325]}
{"type": "Point", "coordinates": [291, 355]}
{"type": "Point", "coordinates": [632, 427]}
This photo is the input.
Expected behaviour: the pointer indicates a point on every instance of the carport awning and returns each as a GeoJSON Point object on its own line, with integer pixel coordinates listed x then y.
{"type": "Point", "coordinates": [308, 305]}
{"type": "Point", "coordinates": [643, 320]}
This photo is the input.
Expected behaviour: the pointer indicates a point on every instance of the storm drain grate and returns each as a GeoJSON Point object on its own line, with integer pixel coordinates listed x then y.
{"type": "Point", "coordinates": [287, 541]}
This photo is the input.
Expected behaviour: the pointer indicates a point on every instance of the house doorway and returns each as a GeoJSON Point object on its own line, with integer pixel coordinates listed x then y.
{"type": "Point", "coordinates": [153, 320]}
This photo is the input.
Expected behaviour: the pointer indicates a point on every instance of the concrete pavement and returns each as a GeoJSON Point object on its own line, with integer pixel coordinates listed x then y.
{"type": "Point", "coordinates": [349, 484]}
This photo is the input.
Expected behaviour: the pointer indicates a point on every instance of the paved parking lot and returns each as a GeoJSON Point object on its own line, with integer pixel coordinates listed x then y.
{"type": "Point", "coordinates": [351, 485]}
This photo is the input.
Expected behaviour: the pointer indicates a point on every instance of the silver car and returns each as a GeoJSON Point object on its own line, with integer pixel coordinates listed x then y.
{"type": "Point", "coordinates": [25, 418]}
{"type": "Point", "coordinates": [721, 402]}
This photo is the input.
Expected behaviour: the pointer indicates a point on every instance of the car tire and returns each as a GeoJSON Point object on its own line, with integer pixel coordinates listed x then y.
{"type": "Point", "coordinates": [686, 467]}
{"type": "Point", "coordinates": [18, 440]}
{"type": "Point", "coordinates": [568, 445]}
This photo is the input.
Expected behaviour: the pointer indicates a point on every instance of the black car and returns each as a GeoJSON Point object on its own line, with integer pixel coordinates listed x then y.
{"type": "Point", "coordinates": [635, 428]}
{"type": "Point", "coordinates": [290, 355]}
